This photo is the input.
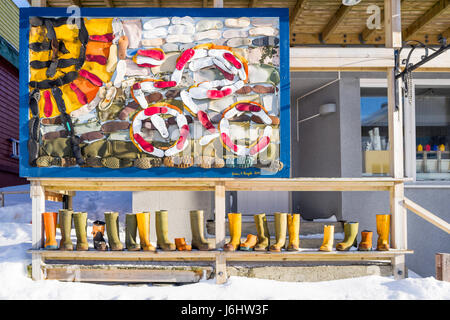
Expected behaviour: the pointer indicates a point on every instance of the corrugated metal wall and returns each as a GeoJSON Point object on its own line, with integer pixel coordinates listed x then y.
{"type": "Point", "coordinates": [9, 22]}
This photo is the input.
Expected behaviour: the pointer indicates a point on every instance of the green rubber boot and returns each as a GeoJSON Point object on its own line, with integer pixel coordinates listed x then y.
{"type": "Point", "coordinates": [65, 225]}
{"type": "Point", "coordinates": [263, 232]}
{"type": "Point", "coordinates": [80, 222]}
{"type": "Point", "coordinates": [198, 239]}
{"type": "Point", "coordinates": [130, 232]}
{"type": "Point", "coordinates": [112, 230]}
{"type": "Point", "coordinates": [280, 231]}
{"type": "Point", "coordinates": [351, 232]}
{"type": "Point", "coordinates": [162, 231]}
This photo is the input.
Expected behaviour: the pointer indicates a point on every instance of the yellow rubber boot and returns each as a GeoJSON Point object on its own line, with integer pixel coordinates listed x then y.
{"type": "Point", "coordinates": [50, 231]}
{"type": "Point", "coordinates": [162, 231]}
{"type": "Point", "coordinates": [263, 232]}
{"type": "Point", "coordinates": [351, 232]}
{"type": "Point", "coordinates": [294, 231]}
{"type": "Point", "coordinates": [143, 223]}
{"type": "Point", "coordinates": [235, 222]}
{"type": "Point", "coordinates": [280, 231]}
{"type": "Point", "coordinates": [328, 238]}
{"type": "Point", "coordinates": [383, 227]}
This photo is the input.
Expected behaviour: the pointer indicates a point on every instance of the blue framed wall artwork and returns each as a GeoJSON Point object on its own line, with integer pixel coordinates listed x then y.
{"type": "Point", "coordinates": [143, 92]}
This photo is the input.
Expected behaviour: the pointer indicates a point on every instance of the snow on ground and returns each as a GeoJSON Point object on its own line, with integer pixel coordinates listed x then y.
{"type": "Point", "coordinates": [15, 239]}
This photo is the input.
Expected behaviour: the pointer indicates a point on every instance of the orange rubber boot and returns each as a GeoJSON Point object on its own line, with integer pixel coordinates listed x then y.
{"type": "Point", "coordinates": [50, 230]}
{"type": "Point", "coordinates": [366, 241]}
{"type": "Point", "coordinates": [249, 244]}
{"type": "Point", "coordinates": [143, 223]}
{"type": "Point", "coordinates": [181, 245]}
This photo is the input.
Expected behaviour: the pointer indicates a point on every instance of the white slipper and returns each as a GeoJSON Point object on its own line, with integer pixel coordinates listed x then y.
{"type": "Point", "coordinates": [235, 33]}
{"type": "Point", "coordinates": [264, 22]}
{"type": "Point", "coordinates": [121, 69]}
{"type": "Point", "coordinates": [208, 138]}
{"type": "Point", "coordinates": [140, 97]}
{"type": "Point", "coordinates": [207, 24]}
{"type": "Point", "coordinates": [155, 42]}
{"type": "Point", "coordinates": [239, 42]}
{"type": "Point", "coordinates": [155, 23]}
{"type": "Point", "coordinates": [181, 29]}
{"type": "Point", "coordinates": [183, 20]}
{"type": "Point", "coordinates": [210, 34]}
{"type": "Point", "coordinates": [182, 38]}
{"type": "Point", "coordinates": [117, 30]}
{"type": "Point", "coordinates": [160, 125]}
{"type": "Point", "coordinates": [110, 95]}
{"type": "Point", "coordinates": [198, 64]}
{"type": "Point", "coordinates": [155, 33]}
{"type": "Point", "coordinates": [263, 31]}
{"type": "Point", "coordinates": [170, 47]}
{"type": "Point", "coordinates": [146, 60]}
{"type": "Point", "coordinates": [237, 22]}
{"type": "Point", "coordinates": [112, 59]}
{"type": "Point", "coordinates": [187, 100]}
{"type": "Point", "coordinates": [134, 70]}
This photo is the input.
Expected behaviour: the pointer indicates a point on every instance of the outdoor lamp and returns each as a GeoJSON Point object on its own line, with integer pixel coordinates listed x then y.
{"type": "Point", "coordinates": [324, 110]}
{"type": "Point", "coordinates": [350, 2]}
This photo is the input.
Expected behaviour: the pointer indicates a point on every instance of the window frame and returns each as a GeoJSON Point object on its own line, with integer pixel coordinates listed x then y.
{"type": "Point", "coordinates": [409, 122]}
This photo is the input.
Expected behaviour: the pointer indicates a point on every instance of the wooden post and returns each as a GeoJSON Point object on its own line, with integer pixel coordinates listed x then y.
{"type": "Point", "coordinates": [218, 3]}
{"type": "Point", "coordinates": [398, 267]}
{"type": "Point", "coordinates": [443, 266]}
{"type": "Point", "coordinates": [219, 204]}
{"type": "Point", "coordinates": [38, 3]}
{"type": "Point", "coordinates": [221, 268]}
{"type": "Point", "coordinates": [393, 36]}
{"type": "Point", "coordinates": [37, 195]}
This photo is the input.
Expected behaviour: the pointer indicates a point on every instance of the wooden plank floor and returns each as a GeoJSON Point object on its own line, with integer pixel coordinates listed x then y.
{"type": "Point", "coordinates": [303, 255]}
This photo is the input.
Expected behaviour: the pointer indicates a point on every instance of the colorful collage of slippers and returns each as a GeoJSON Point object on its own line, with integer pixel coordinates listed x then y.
{"type": "Point", "coordinates": [174, 92]}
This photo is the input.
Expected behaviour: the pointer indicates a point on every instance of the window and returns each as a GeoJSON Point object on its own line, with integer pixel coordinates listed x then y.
{"type": "Point", "coordinates": [432, 111]}
{"type": "Point", "coordinates": [374, 132]}
{"type": "Point", "coordinates": [15, 148]}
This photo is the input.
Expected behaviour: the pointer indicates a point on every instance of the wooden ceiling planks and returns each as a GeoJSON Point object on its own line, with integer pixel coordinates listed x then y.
{"type": "Point", "coordinates": [424, 20]}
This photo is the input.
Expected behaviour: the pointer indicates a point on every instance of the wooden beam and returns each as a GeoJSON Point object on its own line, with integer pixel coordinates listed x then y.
{"type": "Point", "coordinates": [446, 34]}
{"type": "Point", "coordinates": [367, 33]}
{"type": "Point", "coordinates": [109, 3]}
{"type": "Point", "coordinates": [335, 21]}
{"type": "Point", "coordinates": [443, 266]}
{"type": "Point", "coordinates": [427, 215]}
{"type": "Point", "coordinates": [157, 3]}
{"type": "Point", "coordinates": [76, 3]}
{"type": "Point", "coordinates": [392, 24]}
{"type": "Point", "coordinates": [205, 3]}
{"type": "Point", "coordinates": [38, 3]}
{"type": "Point", "coordinates": [252, 3]}
{"type": "Point", "coordinates": [435, 11]}
{"type": "Point", "coordinates": [220, 213]}
{"type": "Point", "coordinates": [296, 12]}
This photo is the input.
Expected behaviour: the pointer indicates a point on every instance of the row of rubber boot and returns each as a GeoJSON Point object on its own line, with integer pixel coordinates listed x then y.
{"type": "Point", "coordinates": [141, 222]}
{"type": "Point", "coordinates": [261, 241]}
{"type": "Point", "coordinates": [68, 218]}
{"type": "Point", "coordinates": [351, 233]}
{"type": "Point", "coordinates": [135, 223]}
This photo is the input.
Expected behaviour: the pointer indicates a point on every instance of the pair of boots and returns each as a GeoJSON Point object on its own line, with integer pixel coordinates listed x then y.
{"type": "Point", "coordinates": [351, 232]}
{"type": "Point", "coordinates": [65, 225]}
{"type": "Point", "coordinates": [262, 241]}
{"type": "Point", "coordinates": [139, 221]}
{"type": "Point", "coordinates": [383, 227]}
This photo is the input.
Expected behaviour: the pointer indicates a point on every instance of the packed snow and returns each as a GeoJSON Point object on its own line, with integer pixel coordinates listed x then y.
{"type": "Point", "coordinates": [15, 239]}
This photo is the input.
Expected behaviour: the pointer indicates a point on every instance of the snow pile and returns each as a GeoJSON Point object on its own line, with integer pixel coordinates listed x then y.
{"type": "Point", "coordinates": [15, 239]}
